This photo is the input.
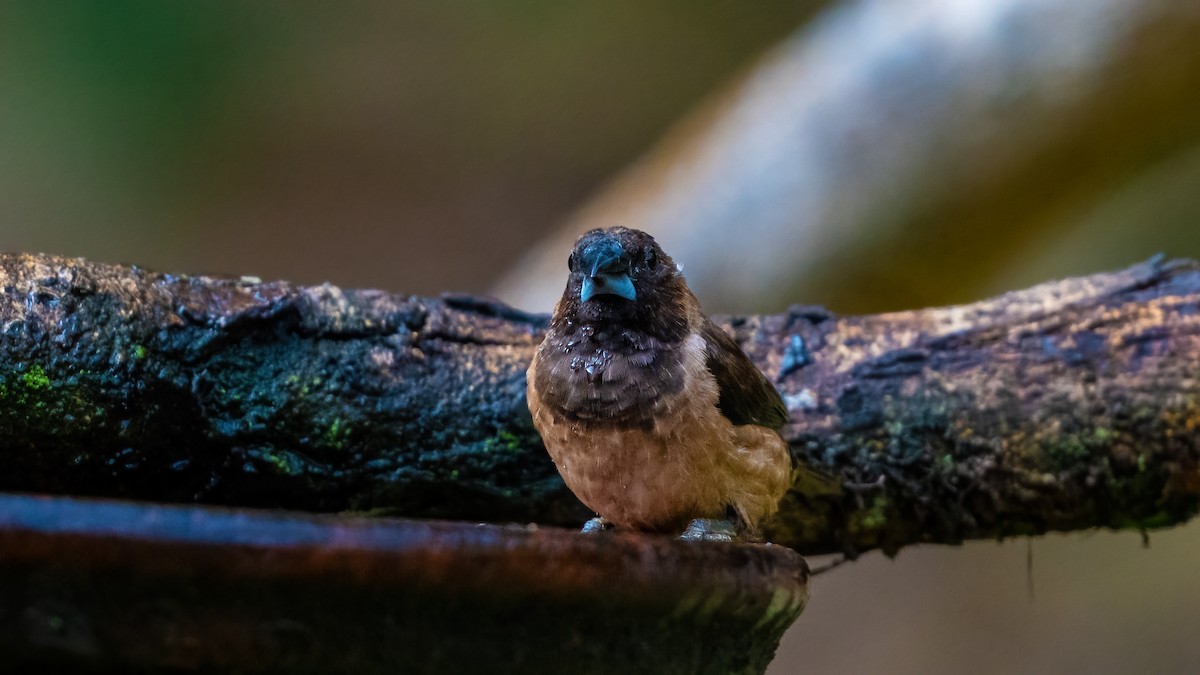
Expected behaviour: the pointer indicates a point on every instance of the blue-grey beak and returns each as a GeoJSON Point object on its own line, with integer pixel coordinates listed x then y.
{"type": "Point", "coordinates": [606, 271]}
{"type": "Point", "coordinates": [619, 285]}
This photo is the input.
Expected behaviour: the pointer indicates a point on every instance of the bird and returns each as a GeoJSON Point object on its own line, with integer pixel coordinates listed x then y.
{"type": "Point", "coordinates": [653, 415]}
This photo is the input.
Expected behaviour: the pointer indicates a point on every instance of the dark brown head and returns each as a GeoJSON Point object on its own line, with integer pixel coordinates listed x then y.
{"type": "Point", "coordinates": [621, 278]}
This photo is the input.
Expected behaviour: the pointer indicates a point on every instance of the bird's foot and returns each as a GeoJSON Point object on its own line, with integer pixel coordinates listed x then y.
{"type": "Point", "coordinates": [596, 525]}
{"type": "Point", "coordinates": [710, 529]}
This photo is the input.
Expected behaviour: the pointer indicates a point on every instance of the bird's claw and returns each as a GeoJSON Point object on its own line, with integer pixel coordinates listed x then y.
{"type": "Point", "coordinates": [710, 529]}
{"type": "Point", "coordinates": [595, 525]}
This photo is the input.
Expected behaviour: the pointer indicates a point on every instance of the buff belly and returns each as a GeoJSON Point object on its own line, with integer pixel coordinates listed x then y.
{"type": "Point", "coordinates": [693, 463]}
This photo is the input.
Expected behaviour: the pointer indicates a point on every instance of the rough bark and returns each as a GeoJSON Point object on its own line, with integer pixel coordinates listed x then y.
{"type": "Point", "coordinates": [1071, 405]}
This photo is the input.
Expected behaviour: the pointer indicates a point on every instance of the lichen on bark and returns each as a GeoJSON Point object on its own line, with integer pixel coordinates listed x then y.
{"type": "Point", "coordinates": [1066, 406]}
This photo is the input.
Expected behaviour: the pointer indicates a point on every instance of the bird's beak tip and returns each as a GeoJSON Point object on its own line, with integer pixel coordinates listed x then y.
{"type": "Point", "coordinates": [618, 284]}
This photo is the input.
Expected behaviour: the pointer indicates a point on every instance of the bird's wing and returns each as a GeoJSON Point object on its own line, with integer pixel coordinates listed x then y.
{"type": "Point", "coordinates": [746, 395]}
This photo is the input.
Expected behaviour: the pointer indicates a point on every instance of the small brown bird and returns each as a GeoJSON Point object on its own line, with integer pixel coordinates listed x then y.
{"type": "Point", "coordinates": [654, 416]}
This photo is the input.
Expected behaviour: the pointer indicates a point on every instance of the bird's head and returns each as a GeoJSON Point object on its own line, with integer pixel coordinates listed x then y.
{"type": "Point", "coordinates": [620, 275]}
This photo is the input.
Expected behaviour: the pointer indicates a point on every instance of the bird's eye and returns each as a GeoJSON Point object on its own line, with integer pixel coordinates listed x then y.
{"type": "Point", "coordinates": [651, 259]}
{"type": "Point", "coordinates": [571, 262]}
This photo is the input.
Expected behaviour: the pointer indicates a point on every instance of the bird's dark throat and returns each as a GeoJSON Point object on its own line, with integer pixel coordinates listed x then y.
{"type": "Point", "coordinates": [608, 377]}
{"type": "Point", "coordinates": [651, 316]}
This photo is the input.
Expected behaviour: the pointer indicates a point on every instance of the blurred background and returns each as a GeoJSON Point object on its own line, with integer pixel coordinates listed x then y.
{"type": "Point", "coordinates": [862, 155]}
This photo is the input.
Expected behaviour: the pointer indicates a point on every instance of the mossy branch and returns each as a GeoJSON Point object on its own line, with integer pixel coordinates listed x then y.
{"type": "Point", "coordinates": [1072, 405]}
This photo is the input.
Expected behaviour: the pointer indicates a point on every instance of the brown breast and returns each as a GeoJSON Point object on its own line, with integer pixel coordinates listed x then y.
{"type": "Point", "coordinates": [639, 439]}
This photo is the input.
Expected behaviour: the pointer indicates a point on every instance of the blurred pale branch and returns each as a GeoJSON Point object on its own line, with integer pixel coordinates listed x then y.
{"type": "Point", "coordinates": [888, 132]}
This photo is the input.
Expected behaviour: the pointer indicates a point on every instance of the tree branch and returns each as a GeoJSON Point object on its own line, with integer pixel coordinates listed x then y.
{"type": "Point", "coordinates": [1071, 405]}
{"type": "Point", "coordinates": [856, 146]}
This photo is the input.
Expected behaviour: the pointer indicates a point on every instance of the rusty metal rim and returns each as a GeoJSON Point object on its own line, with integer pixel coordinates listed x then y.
{"type": "Point", "coordinates": [244, 542]}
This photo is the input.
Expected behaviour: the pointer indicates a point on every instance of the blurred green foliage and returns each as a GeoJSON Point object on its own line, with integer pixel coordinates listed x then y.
{"type": "Point", "coordinates": [407, 145]}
